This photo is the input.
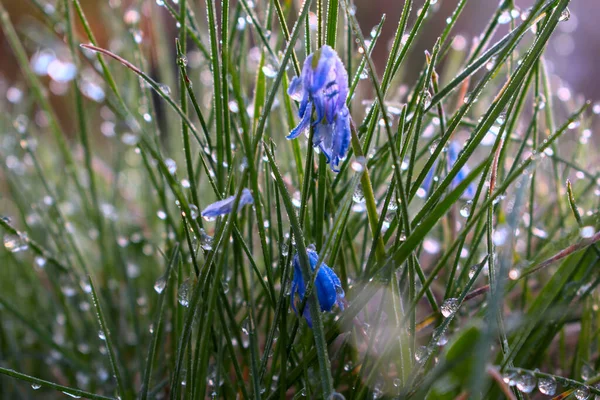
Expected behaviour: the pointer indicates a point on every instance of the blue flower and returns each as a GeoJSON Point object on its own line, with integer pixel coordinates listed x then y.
{"type": "Point", "coordinates": [453, 150]}
{"type": "Point", "coordinates": [225, 206]}
{"type": "Point", "coordinates": [323, 88]}
{"type": "Point", "coordinates": [328, 286]}
{"type": "Point", "coordinates": [452, 156]}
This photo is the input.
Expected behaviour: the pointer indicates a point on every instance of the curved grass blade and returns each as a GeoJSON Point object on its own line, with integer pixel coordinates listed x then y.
{"type": "Point", "coordinates": [73, 392]}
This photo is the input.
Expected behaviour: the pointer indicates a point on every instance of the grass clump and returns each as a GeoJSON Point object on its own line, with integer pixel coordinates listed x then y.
{"type": "Point", "coordinates": [462, 223]}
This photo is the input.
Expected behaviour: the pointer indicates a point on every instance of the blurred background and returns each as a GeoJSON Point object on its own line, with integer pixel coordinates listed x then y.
{"type": "Point", "coordinates": [574, 52]}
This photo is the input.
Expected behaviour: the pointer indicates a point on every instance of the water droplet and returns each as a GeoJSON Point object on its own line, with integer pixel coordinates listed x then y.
{"type": "Point", "coordinates": [206, 241]}
{"type": "Point", "coordinates": [465, 210]}
{"type": "Point", "coordinates": [433, 146]}
{"type": "Point", "coordinates": [184, 293]}
{"type": "Point", "coordinates": [233, 106]}
{"type": "Point", "coordinates": [138, 35]}
{"type": "Point", "coordinates": [35, 386]}
{"type": "Point", "coordinates": [284, 250]}
{"type": "Point", "coordinates": [501, 235]}
{"type": "Point", "coordinates": [587, 232]}
{"type": "Point", "coordinates": [442, 340]}
{"type": "Point", "coordinates": [160, 284]}
{"type": "Point", "coordinates": [165, 89]}
{"type": "Point", "coordinates": [421, 354]}
{"type": "Point", "coordinates": [582, 393]}
{"type": "Point", "coordinates": [133, 270]}
{"type": "Point", "coordinates": [20, 123]}
{"type": "Point", "coordinates": [358, 196]}
{"type": "Point", "coordinates": [526, 382]}
{"type": "Point", "coordinates": [194, 211]}
{"type": "Point", "coordinates": [241, 24]}
{"type": "Point", "coordinates": [547, 386]}
{"type": "Point", "coordinates": [449, 307]}
{"type": "Point", "coordinates": [171, 165]}
{"type": "Point", "coordinates": [183, 60]}
{"type": "Point", "coordinates": [587, 372]}
{"type": "Point", "coordinates": [565, 15]}
{"type": "Point", "coordinates": [72, 395]}
{"type": "Point", "coordinates": [504, 17]}
{"type": "Point", "coordinates": [426, 99]}
{"type": "Point", "coordinates": [101, 335]}
{"type": "Point", "coordinates": [473, 271]}
{"type": "Point", "coordinates": [269, 71]}
{"type": "Point", "coordinates": [245, 327]}
{"type": "Point", "coordinates": [431, 246]}
{"type": "Point", "coordinates": [16, 243]}
{"type": "Point", "coordinates": [67, 289]}
{"type": "Point", "coordinates": [501, 118]}
{"type": "Point", "coordinates": [14, 95]}
{"type": "Point", "coordinates": [130, 139]}
{"type": "Point", "coordinates": [161, 215]}
{"type": "Point", "coordinates": [510, 378]}
{"type": "Point", "coordinates": [514, 273]}
{"type": "Point", "coordinates": [40, 261]}
{"type": "Point", "coordinates": [358, 164]}
{"type": "Point", "coordinates": [336, 396]}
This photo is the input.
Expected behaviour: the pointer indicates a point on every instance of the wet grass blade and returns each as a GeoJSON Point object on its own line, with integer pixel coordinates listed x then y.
{"type": "Point", "coordinates": [105, 335]}
{"type": "Point", "coordinates": [160, 309]}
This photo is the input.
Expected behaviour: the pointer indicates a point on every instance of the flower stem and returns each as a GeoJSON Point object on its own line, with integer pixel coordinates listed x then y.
{"type": "Point", "coordinates": [365, 182]}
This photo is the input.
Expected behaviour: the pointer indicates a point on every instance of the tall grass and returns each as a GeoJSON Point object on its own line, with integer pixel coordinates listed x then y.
{"type": "Point", "coordinates": [113, 286]}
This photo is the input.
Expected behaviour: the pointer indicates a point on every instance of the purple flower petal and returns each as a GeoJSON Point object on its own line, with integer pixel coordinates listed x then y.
{"type": "Point", "coordinates": [225, 206]}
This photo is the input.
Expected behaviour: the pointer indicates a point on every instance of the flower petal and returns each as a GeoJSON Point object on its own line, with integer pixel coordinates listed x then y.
{"type": "Point", "coordinates": [322, 137]}
{"type": "Point", "coordinates": [296, 89]}
{"type": "Point", "coordinates": [326, 288]}
{"type": "Point", "coordinates": [341, 137]}
{"type": "Point", "coordinates": [225, 206]}
{"type": "Point", "coordinates": [327, 60]}
{"type": "Point", "coordinates": [304, 123]}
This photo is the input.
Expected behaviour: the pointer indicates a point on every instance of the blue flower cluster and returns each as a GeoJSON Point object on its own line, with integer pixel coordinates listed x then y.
{"type": "Point", "coordinates": [327, 284]}
{"type": "Point", "coordinates": [323, 88]}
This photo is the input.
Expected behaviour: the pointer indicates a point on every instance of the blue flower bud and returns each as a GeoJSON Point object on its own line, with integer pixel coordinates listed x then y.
{"type": "Point", "coordinates": [327, 284]}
